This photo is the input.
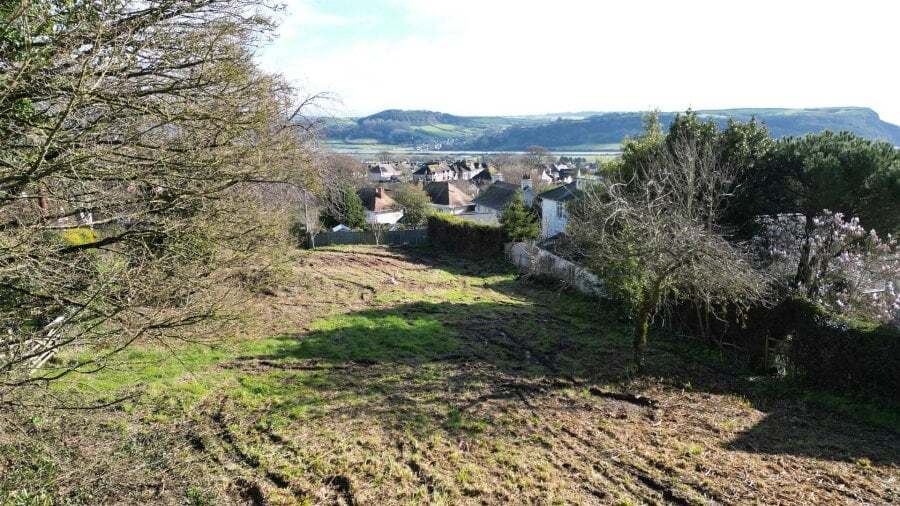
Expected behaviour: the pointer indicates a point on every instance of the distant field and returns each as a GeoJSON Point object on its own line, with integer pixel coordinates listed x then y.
{"type": "Point", "coordinates": [368, 149]}
{"type": "Point", "coordinates": [379, 376]}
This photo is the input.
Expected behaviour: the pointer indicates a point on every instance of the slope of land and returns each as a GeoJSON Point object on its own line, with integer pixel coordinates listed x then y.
{"type": "Point", "coordinates": [379, 376]}
{"type": "Point", "coordinates": [585, 131]}
{"type": "Point", "coordinates": [411, 128]}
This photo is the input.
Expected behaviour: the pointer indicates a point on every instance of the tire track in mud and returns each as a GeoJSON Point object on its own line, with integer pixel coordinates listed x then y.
{"type": "Point", "coordinates": [617, 471]}
{"type": "Point", "coordinates": [246, 469]}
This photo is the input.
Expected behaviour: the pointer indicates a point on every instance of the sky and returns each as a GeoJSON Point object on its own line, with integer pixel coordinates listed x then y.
{"type": "Point", "coordinates": [517, 57]}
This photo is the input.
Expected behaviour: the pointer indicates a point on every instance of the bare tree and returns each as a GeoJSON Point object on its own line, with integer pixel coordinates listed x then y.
{"type": "Point", "coordinates": [654, 239]}
{"type": "Point", "coordinates": [131, 136]}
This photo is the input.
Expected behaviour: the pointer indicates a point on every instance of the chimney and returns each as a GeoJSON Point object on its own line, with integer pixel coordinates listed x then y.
{"type": "Point", "coordinates": [379, 192]}
{"type": "Point", "coordinates": [526, 181]}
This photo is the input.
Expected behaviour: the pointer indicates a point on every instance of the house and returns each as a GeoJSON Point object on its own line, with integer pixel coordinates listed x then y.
{"type": "Point", "coordinates": [528, 193]}
{"type": "Point", "coordinates": [380, 207]}
{"type": "Point", "coordinates": [558, 173]}
{"type": "Point", "coordinates": [486, 176]}
{"type": "Point", "coordinates": [493, 199]}
{"type": "Point", "coordinates": [554, 215]}
{"type": "Point", "coordinates": [454, 197]}
{"type": "Point", "coordinates": [383, 172]}
{"type": "Point", "coordinates": [545, 177]}
{"type": "Point", "coordinates": [433, 171]}
{"type": "Point", "coordinates": [466, 169]}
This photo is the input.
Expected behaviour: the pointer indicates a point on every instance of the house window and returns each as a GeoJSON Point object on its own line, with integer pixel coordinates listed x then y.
{"type": "Point", "coordinates": [560, 209]}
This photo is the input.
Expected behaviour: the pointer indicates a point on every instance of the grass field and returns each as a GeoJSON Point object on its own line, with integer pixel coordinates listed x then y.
{"type": "Point", "coordinates": [377, 376]}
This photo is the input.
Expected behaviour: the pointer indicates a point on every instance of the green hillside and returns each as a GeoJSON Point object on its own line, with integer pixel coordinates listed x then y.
{"type": "Point", "coordinates": [410, 128]}
{"type": "Point", "coordinates": [584, 130]}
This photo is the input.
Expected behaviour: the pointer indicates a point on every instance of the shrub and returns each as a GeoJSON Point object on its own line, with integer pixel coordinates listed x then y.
{"type": "Point", "coordinates": [805, 341]}
{"type": "Point", "coordinates": [519, 222]}
{"type": "Point", "coordinates": [828, 351]}
{"type": "Point", "coordinates": [465, 238]}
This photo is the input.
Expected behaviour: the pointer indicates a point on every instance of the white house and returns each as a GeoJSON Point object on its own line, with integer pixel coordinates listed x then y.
{"type": "Point", "coordinates": [382, 172]}
{"type": "Point", "coordinates": [554, 215]}
{"type": "Point", "coordinates": [380, 207]}
{"type": "Point", "coordinates": [466, 169]}
{"type": "Point", "coordinates": [430, 172]}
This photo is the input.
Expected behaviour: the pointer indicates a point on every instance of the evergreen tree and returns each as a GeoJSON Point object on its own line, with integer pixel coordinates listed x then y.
{"type": "Point", "coordinates": [354, 212]}
{"type": "Point", "coordinates": [519, 222]}
{"type": "Point", "coordinates": [344, 208]}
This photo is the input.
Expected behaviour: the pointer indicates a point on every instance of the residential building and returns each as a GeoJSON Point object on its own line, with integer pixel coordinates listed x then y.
{"type": "Point", "coordinates": [383, 172]}
{"type": "Point", "coordinates": [528, 193]}
{"type": "Point", "coordinates": [434, 171]}
{"type": "Point", "coordinates": [454, 197]}
{"type": "Point", "coordinates": [486, 176]}
{"type": "Point", "coordinates": [554, 213]}
{"type": "Point", "coordinates": [466, 169]}
{"type": "Point", "coordinates": [558, 173]}
{"type": "Point", "coordinates": [493, 199]}
{"type": "Point", "coordinates": [380, 207]}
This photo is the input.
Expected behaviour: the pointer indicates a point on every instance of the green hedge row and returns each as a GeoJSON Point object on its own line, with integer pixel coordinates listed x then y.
{"type": "Point", "coordinates": [465, 238]}
{"type": "Point", "coordinates": [838, 354]}
{"type": "Point", "coordinates": [808, 343]}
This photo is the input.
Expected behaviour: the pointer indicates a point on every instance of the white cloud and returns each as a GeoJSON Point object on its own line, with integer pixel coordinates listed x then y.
{"type": "Point", "coordinates": [516, 57]}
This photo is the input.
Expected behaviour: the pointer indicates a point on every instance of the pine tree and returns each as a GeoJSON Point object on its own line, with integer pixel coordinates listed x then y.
{"type": "Point", "coordinates": [519, 222]}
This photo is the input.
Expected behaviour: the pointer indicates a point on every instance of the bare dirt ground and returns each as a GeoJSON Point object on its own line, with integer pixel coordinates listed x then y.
{"type": "Point", "coordinates": [377, 376]}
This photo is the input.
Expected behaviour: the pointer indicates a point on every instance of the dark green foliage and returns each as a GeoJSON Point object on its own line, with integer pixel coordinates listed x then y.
{"type": "Point", "coordinates": [740, 144]}
{"type": "Point", "coordinates": [465, 238]}
{"type": "Point", "coordinates": [689, 126]}
{"type": "Point", "coordinates": [840, 172]}
{"type": "Point", "coordinates": [345, 208]}
{"type": "Point", "coordinates": [639, 150]}
{"type": "Point", "coordinates": [414, 202]}
{"type": "Point", "coordinates": [829, 352]}
{"type": "Point", "coordinates": [596, 128]}
{"type": "Point", "coordinates": [612, 128]}
{"type": "Point", "coordinates": [806, 342]}
{"type": "Point", "coordinates": [354, 212]}
{"type": "Point", "coordinates": [519, 222]}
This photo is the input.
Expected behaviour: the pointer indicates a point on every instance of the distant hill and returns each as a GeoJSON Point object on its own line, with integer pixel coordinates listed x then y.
{"type": "Point", "coordinates": [585, 131]}
{"type": "Point", "coordinates": [409, 128]}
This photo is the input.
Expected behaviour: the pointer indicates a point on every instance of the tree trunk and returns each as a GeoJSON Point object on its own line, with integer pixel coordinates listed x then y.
{"type": "Point", "coordinates": [805, 272]}
{"type": "Point", "coordinates": [641, 326]}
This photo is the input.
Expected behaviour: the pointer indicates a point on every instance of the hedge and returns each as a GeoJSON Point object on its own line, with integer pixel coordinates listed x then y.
{"type": "Point", "coordinates": [834, 353]}
{"type": "Point", "coordinates": [812, 345]}
{"type": "Point", "coordinates": [465, 238]}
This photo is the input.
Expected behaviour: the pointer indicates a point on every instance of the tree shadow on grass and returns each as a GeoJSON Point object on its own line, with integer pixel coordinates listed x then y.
{"type": "Point", "coordinates": [428, 364]}
{"type": "Point", "coordinates": [796, 428]}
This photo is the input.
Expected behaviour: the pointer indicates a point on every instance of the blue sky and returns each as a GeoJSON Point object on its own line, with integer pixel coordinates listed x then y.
{"type": "Point", "coordinates": [531, 56]}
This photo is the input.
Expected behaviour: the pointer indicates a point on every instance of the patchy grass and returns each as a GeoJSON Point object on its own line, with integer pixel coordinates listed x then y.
{"type": "Point", "coordinates": [403, 377]}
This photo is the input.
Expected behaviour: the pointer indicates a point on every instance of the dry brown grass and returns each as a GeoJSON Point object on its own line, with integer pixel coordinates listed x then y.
{"type": "Point", "coordinates": [354, 403]}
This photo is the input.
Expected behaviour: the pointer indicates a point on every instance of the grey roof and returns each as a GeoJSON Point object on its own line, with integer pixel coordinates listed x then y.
{"type": "Point", "coordinates": [486, 175]}
{"type": "Point", "coordinates": [562, 193]}
{"type": "Point", "coordinates": [497, 196]}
